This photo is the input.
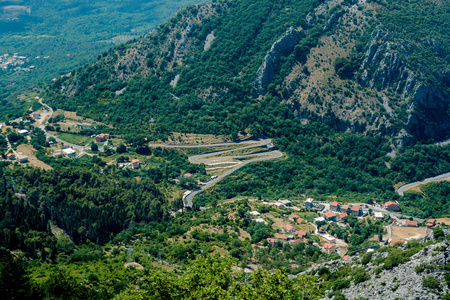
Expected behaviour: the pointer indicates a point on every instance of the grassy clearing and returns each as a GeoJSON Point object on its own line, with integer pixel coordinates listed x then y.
{"type": "Point", "coordinates": [74, 139]}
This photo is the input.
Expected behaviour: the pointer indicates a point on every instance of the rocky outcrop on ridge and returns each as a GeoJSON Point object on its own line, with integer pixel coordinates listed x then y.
{"type": "Point", "coordinates": [281, 48]}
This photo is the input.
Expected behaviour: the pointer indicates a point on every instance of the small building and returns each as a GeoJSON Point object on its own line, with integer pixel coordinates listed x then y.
{"type": "Point", "coordinates": [22, 159]}
{"type": "Point", "coordinates": [301, 221]}
{"type": "Point", "coordinates": [345, 208]}
{"type": "Point", "coordinates": [286, 203]}
{"type": "Point", "coordinates": [284, 237]}
{"type": "Point", "coordinates": [343, 216]}
{"type": "Point", "coordinates": [102, 137]}
{"type": "Point", "coordinates": [293, 217]}
{"type": "Point", "coordinates": [330, 216]}
{"type": "Point", "coordinates": [254, 213]}
{"type": "Point", "coordinates": [289, 228]}
{"type": "Point", "coordinates": [35, 115]}
{"type": "Point", "coordinates": [334, 206]}
{"type": "Point", "coordinates": [329, 248]}
{"type": "Point", "coordinates": [319, 219]}
{"type": "Point", "coordinates": [135, 164]}
{"type": "Point", "coordinates": [356, 210]}
{"type": "Point", "coordinates": [272, 241]}
{"type": "Point", "coordinates": [300, 233]}
{"type": "Point", "coordinates": [378, 216]}
{"type": "Point", "coordinates": [329, 238]}
{"type": "Point", "coordinates": [391, 205]}
{"type": "Point", "coordinates": [409, 223]}
{"type": "Point", "coordinates": [11, 156]}
{"type": "Point", "coordinates": [309, 203]}
{"type": "Point", "coordinates": [260, 220]}
{"type": "Point", "coordinates": [85, 125]}
{"type": "Point", "coordinates": [431, 223]}
{"type": "Point", "coordinates": [22, 132]}
{"type": "Point", "coordinates": [279, 205]}
{"type": "Point", "coordinates": [69, 152]}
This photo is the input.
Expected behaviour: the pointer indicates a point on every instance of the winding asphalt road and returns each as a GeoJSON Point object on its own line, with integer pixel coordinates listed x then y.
{"type": "Point", "coordinates": [203, 158]}
{"type": "Point", "coordinates": [431, 179]}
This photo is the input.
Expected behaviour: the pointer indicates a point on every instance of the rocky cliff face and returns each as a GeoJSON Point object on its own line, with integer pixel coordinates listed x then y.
{"type": "Point", "coordinates": [271, 64]}
{"type": "Point", "coordinates": [404, 281]}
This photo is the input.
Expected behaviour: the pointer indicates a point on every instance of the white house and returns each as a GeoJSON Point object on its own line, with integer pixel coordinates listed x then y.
{"type": "Point", "coordinates": [69, 152]}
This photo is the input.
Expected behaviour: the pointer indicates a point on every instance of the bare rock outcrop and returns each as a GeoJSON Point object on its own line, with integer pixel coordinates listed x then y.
{"type": "Point", "coordinates": [269, 68]}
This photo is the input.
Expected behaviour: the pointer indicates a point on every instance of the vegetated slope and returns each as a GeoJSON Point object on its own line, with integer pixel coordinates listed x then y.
{"type": "Point", "coordinates": [57, 36]}
{"type": "Point", "coordinates": [359, 66]}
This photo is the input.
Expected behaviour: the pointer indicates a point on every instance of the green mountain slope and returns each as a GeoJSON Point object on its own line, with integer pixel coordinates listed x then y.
{"type": "Point", "coordinates": [342, 63]}
{"type": "Point", "coordinates": [57, 36]}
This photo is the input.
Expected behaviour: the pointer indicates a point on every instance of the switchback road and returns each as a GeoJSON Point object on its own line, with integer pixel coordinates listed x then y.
{"type": "Point", "coordinates": [206, 158]}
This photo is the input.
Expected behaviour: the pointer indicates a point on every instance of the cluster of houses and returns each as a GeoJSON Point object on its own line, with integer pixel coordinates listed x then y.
{"type": "Point", "coordinates": [289, 232]}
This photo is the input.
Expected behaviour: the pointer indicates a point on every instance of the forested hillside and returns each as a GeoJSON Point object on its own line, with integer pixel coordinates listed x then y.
{"type": "Point", "coordinates": [57, 36]}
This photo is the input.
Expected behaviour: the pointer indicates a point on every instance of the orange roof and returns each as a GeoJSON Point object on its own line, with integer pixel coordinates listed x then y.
{"type": "Point", "coordinates": [411, 223]}
{"type": "Point", "coordinates": [328, 245]}
{"type": "Point", "coordinates": [298, 241]}
{"type": "Point", "coordinates": [394, 241]}
{"type": "Point", "coordinates": [343, 215]}
{"type": "Point", "coordinates": [289, 227]}
{"type": "Point", "coordinates": [346, 257]}
{"type": "Point", "coordinates": [281, 236]}
{"type": "Point", "coordinates": [300, 220]}
{"type": "Point", "coordinates": [135, 160]}
{"type": "Point", "coordinates": [334, 203]}
{"type": "Point", "coordinates": [10, 154]}
{"type": "Point", "coordinates": [329, 214]}
{"type": "Point", "coordinates": [270, 240]}
{"type": "Point", "coordinates": [431, 221]}
{"type": "Point", "coordinates": [300, 233]}
{"type": "Point", "coordinates": [294, 216]}
{"type": "Point", "coordinates": [345, 207]}
{"type": "Point", "coordinates": [391, 203]}
{"type": "Point", "coordinates": [356, 208]}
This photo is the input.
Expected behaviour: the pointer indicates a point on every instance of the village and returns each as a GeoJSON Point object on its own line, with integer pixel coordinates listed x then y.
{"type": "Point", "coordinates": [15, 62]}
{"type": "Point", "coordinates": [312, 222]}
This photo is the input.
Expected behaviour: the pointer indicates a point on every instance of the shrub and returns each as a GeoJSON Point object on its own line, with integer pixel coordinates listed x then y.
{"type": "Point", "coordinates": [431, 282]}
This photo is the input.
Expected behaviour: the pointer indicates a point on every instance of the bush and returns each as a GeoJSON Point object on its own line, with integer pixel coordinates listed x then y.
{"type": "Point", "coordinates": [431, 282]}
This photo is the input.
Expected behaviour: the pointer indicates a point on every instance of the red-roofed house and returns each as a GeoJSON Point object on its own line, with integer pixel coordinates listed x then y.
{"type": "Point", "coordinates": [409, 223]}
{"type": "Point", "coordinates": [135, 163]}
{"type": "Point", "coordinates": [343, 216]}
{"type": "Point", "coordinates": [272, 241]}
{"type": "Point", "coordinates": [298, 241]}
{"type": "Point", "coordinates": [329, 248]}
{"type": "Point", "coordinates": [300, 233]}
{"type": "Point", "coordinates": [11, 156]}
{"type": "Point", "coordinates": [334, 206]}
{"type": "Point", "coordinates": [301, 221]}
{"type": "Point", "coordinates": [293, 217]}
{"type": "Point", "coordinates": [331, 216]}
{"type": "Point", "coordinates": [356, 210]}
{"type": "Point", "coordinates": [345, 207]}
{"type": "Point", "coordinates": [391, 205]}
{"type": "Point", "coordinates": [102, 137]}
{"type": "Point", "coordinates": [283, 237]}
{"type": "Point", "coordinates": [431, 223]}
{"type": "Point", "coordinates": [289, 228]}
{"type": "Point", "coordinates": [346, 257]}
